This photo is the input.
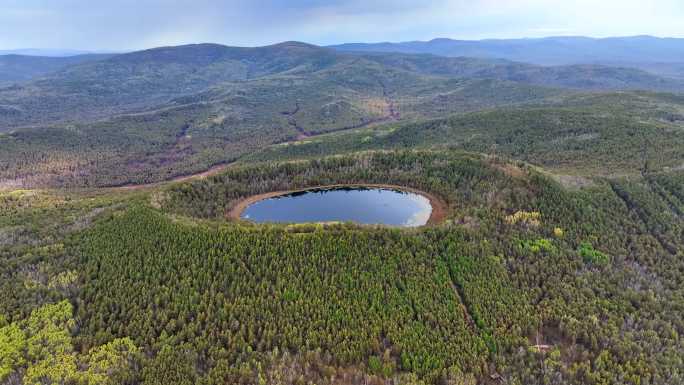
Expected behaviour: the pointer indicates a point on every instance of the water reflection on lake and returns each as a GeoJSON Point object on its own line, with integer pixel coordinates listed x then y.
{"type": "Point", "coordinates": [344, 204]}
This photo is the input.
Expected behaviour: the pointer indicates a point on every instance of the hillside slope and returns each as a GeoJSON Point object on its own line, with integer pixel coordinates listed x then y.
{"type": "Point", "coordinates": [21, 68]}
{"type": "Point", "coordinates": [578, 76]}
{"type": "Point", "coordinates": [162, 113]}
{"type": "Point", "coordinates": [609, 134]}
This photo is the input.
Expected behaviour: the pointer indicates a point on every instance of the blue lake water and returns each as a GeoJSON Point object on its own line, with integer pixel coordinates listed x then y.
{"type": "Point", "coordinates": [345, 204]}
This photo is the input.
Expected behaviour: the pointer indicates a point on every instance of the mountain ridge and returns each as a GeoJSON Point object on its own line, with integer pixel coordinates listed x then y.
{"type": "Point", "coordinates": [543, 51]}
{"type": "Point", "coordinates": [155, 77]}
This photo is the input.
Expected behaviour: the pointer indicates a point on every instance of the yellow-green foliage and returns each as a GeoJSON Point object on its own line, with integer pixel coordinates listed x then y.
{"type": "Point", "coordinates": [50, 249]}
{"type": "Point", "coordinates": [530, 218]}
{"type": "Point", "coordinates": [63, 280]}
{"type": "Point", "coordinates": [12, 345]}
{"type": "Point", "coordinates": [49, 331]}
{"type": "Point", "coordinates": [558, 232]}
{"type": "Point", "coordinates": [108, 363]}
{"type": "Point", "coordinates": [537, 245]}
{"type": "Point", "coordinates": [56, 369]}
{"type": "Point", "coordinates": [43, 345]}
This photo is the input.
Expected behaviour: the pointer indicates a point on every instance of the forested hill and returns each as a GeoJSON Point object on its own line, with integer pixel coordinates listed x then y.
{"type": "Point", "coordinates": [149, 78]}
{"type": "Point", "coordinates": [152, 78]}
{"type": "Point", "coordinates": [152, 115]}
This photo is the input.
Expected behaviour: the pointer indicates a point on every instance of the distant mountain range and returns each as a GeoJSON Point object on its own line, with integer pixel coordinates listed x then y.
{"type": "Point", "coordinates": [659, 56]}
{"type": "Point", "coordinates": [49, 52]}
{"type": "Point", "coordinates": [544, 51]}
{"type": "Point", "coordinates": [98, 85]}
{"type": "Point", "coordinates": [18, 68]}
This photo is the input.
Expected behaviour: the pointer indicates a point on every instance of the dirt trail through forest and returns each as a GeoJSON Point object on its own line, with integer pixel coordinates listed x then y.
{"type": "Point", "coordinates": [181, 178]}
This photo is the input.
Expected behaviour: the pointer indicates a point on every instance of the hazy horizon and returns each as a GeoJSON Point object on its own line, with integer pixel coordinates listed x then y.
{"type": "Point", "coordinates": [132, 25]}
{"type": "Point", "coordinates": [67, 51]}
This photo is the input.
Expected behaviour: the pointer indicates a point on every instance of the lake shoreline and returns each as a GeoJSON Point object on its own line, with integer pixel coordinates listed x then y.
{"type": "Point", "coordinates": [437, 215]}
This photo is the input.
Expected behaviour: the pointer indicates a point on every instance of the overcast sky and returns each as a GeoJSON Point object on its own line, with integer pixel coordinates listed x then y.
{"type": "Point", "coordinates": [136, 24]}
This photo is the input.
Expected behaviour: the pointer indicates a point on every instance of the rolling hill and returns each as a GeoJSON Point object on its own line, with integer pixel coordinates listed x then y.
{"type": "Point", "coordinates": [603, 134]}
{"type": "Point", "coordinates": [157, 114]}
{"type": "Point", "coordinates": [578, 76]}
{"type": "Point", "coordinates": [21, 68]}
{"type": "Point", "coordinates": [169, 76]}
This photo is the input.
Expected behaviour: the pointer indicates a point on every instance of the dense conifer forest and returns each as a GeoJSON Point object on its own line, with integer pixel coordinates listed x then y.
{"type": "Point", "coordinates": [527, 281]}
